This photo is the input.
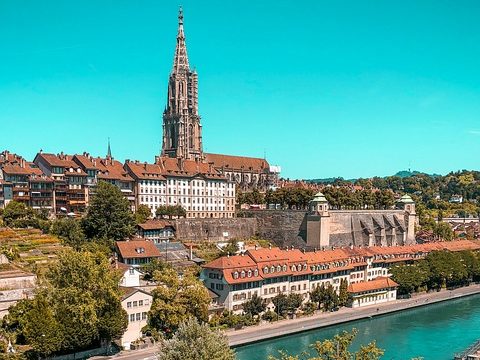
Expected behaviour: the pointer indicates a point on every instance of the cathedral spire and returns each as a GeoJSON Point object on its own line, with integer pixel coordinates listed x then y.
{"type": "Point", "coordinates": [180, 61]}
{"type": "Point", "coordinates": [109, 151]}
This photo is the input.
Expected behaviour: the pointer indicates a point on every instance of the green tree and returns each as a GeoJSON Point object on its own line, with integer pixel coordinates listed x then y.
{"type": "Point", "coordinates": [410, 277]}
{"type": "Point", "coordinates": [109, 215]}
{"type": "Point", "coordinates": [194, 341]}
{"type": "Point", "coordinates": [338, 348]}
{"type": "Point", "coordinates": [294, 301]}
{"type": "Point", "coordinates": [69, 231]}
{"type": "Point", "coordinates": [325, 297]}
{"type": "Point", "coordinates": [142, 214]}
{"type": "Point", "coordinates": [343, 295]}
{"type": "Point", "coordinates": [281, 304]}
{"type": "Point", "coordinates": [156, 265]}
{"type": "Point", "coordinates": [443, 231]}
{"type": "Point", "coordinates": [40, 328]}
{"type": "Point", "coordinates": [17, 214]}
{"type": "Point", "coordinates": [254, 306]}
{"type": "Point", "coordinates": [76, 306]}
{"type": "Point", "coordinates": [446, 269]}
{"type": "Point", "coordinates": [171, 211]}
{"type": "Point", "coordinates": [176, 299]}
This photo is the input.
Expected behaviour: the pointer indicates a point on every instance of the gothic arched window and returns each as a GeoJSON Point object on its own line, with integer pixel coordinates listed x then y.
{"type": "Point", "coordinates": [190, 136]}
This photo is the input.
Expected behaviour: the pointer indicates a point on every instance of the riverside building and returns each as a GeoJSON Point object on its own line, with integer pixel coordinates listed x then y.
{"type": "Point", "coordinates": [269, 272]}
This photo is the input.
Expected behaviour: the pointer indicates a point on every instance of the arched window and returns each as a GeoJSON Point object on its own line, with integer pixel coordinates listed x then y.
{"type": "Point", "coordinates": [242, 274]}
{"type": "Point", "coordinates": [294, 268]}
{"type": "Point", "coordinates": [272, 269]}
{"type": "Point", "coordinates": [190, 136]}
{"type": "Point", "coordinates": [284, 267]}
{"type": "Point", "coordinates": [265, 270]}
{"type": "Point", "coordinates": [235, 275]}
{"type": "Point", "coordinates": [304, 266]}
{"type": "Point", "coordinates": [279, 268]}
{"type": "Point", "coordinates": [255, 272]}
{"type": "Point", "coordinates": [249, 274]}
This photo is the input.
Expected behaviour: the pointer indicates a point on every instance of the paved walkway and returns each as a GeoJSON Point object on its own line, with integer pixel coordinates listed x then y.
{"type": "Point", "coordinates": [286, 327]}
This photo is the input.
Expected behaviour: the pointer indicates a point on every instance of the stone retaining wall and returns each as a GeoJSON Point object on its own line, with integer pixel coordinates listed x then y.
{"type": "Point", "coordinates": [215, 229]}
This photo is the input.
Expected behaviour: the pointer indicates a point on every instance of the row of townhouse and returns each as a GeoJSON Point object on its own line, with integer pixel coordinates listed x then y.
{"type": "Point", "coordinates": [64, 183]}
{"type": "Point", "coordinates": [269, 272]}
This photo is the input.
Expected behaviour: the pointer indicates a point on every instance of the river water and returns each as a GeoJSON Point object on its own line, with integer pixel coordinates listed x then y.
{"type": "Point", "coordinates": [434, 332]}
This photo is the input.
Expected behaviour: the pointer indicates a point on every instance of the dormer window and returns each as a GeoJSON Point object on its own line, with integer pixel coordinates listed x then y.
{"type": "Point", "coordinates": [242, 274]}
{"type": "Point", "coordinates": [235, 275]}
{"type": "Point", "coordinates": [265, 270]}
{"type": "Point", "coordinates": [255, 272]}
{"type": "Point", "coordinates": [294, 268]}
{"type": "Point", "coordinates": [279, 268]}
{"type": "Point", "coordinates": [272, 269]}
{"type": "Point", "coordinates": [304, 266]}
{"type": "Point", "coordinates": [249, 274]}
{"type": "Point", "coordinates": [284, 267]}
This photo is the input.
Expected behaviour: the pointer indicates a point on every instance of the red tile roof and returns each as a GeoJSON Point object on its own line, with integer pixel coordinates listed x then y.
{"type": "Point", "coordinates": [137, 249]}
{"type": "Point", "coordinates": [376, 284]}
{"type": "Point", "coordinates": [238, 162]}
{"type": "Point", "coordinates": [166, 166]}
{"type": "Point", "coordinates": [154, 224]}
{"type": "Point", "coordinates": [322, 262]}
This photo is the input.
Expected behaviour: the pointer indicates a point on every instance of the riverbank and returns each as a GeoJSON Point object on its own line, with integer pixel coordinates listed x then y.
{"type": "Point", "coordinates": [287, 327]}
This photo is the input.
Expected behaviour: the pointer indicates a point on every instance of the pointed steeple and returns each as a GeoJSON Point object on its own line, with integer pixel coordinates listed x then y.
{"type": "Point", "coordinates": [180, 61]}
{"type": "Point", "coordinates": [109, 151]}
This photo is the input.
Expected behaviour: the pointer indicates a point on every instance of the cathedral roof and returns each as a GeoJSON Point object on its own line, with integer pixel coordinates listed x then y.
{"type": "Point", "coordinates": [238, 163]}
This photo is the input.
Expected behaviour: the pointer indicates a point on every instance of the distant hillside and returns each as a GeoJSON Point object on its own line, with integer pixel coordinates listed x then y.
{"type": "Point", "coordinates": [408, 173]}
{"type": "Point", "coordinates": [402, 174]}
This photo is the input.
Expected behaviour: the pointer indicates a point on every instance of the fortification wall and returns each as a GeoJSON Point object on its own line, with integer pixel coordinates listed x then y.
{"type": "Point", "coordinates": [215, 229]}
{"type": "Point", "coordinates": [282, 227]}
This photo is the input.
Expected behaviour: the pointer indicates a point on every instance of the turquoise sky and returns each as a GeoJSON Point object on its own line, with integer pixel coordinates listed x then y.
{"type": "Point", "coordinates": [324, 88]}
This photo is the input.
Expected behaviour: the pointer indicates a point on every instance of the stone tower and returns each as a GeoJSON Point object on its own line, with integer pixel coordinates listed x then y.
{"type": "Point", "coordinates": [318, 222]}
{"type": "Point", "coordinates": [406, 203]}
{"type": "Point", "coordinates": [182, 131]}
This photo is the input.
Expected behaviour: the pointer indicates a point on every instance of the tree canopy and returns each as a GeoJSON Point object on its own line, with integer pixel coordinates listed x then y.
{"type": "Point", "coordinates": [176, 299]}
{"type": "Point", "coordinates": [76, 306]}
{"type": "Point", "coordinates": [194, 341]}
{"type": "Point", "coordinates": [108, 215]}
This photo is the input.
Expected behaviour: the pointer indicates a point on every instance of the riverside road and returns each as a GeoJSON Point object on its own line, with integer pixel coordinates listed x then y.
{"type": "Point", "coordinates": [286, 327]}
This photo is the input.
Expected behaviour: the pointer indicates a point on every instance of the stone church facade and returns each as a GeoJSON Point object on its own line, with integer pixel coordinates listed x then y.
{"type": "Point", "coordinates": [182, 129]}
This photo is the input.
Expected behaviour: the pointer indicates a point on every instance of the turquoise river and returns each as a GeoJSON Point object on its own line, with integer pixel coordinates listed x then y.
{"type": "Point", "coordinates": [434, 332]}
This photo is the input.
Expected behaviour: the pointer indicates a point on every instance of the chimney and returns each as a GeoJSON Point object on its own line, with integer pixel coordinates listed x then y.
{"type": "Point", "coordinates": [314, 250]}
{"type": "Point", "coordinates": [292, 247]}
{"type": "Point", "coordinates": [270, 246]}
{"type": "Point", "coordinates": [304, 251]}
{"type": "Point", "coordinates": [145, 165]}
{"type": "Point", "coordinates": [256, 247]}
{"type": "Point", "coordinates": [157, 159]}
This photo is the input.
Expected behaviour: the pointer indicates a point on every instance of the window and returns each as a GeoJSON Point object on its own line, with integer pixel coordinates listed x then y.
{"type": "Point", "coordinates": [129, 305]}
{"type": "Point", "coordinates": [137, 316]}
{"type": "Point", "coordinates": [144, 315]}
{"type": "Point", "coordinates": [265, 270]}
{"type": "Point", "coordinates": [132, 317]}
{"type": "Point", "coordinates": [140, 302]}
{"type": "Point", "coordinates": [131, 271]}
{"type": "Point", "coordinates": [235, 275]}
{"type": "Point", "coordinates": [135, 304]}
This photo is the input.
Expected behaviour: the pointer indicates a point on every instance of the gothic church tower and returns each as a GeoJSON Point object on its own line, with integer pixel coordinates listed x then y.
{"type": "Point", "coordinates": [182, 131]}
